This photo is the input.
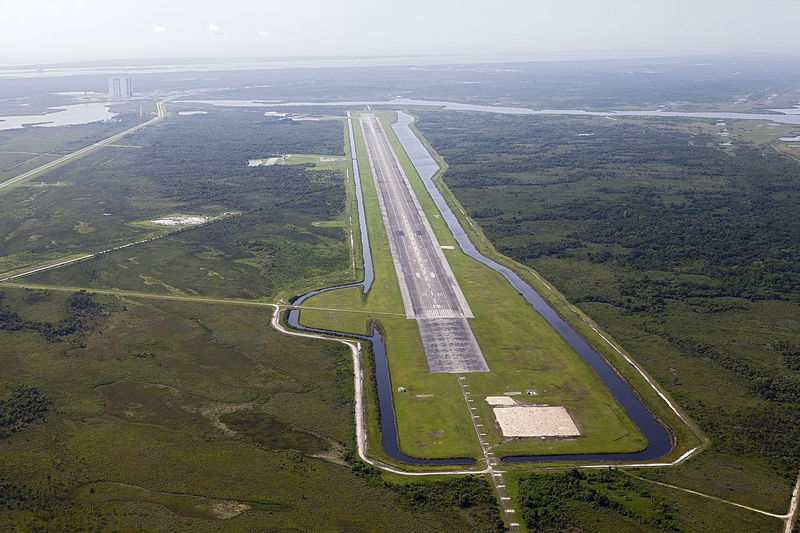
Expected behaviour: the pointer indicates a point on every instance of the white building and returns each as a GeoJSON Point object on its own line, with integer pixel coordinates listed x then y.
{"type": "Point", "coordinates": [120, 87]}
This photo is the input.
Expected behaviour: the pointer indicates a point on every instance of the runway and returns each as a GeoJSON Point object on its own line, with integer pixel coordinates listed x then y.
{"type": "Point", "coordinates": [430, 292]}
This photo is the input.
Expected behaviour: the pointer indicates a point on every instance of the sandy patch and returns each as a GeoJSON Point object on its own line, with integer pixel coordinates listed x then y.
{"type": "Point", "coordinates": [83, 227]}
{"type": "Point", "coordinates": [228, 509]}
{"type": "Point", "coordinates": [335, 453]}
{"type": "Point", "coordinates": [535, 421]}
{"type": "Point", "coordinates": [214, 410]}
{"type": "Point", "coordinates": [182, 504]}
{"type": "Point", "coordinates": [500, 400]}
{"type": "Point", "coordinates": [212, 273]}
{"type": "Point", "coordinates": [153, 403]}
{"type": "Point", "coordinates": [147, 280]}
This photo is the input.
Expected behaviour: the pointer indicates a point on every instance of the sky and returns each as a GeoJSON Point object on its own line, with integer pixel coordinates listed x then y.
{"type": "Point", "coordinates": [42, 31]}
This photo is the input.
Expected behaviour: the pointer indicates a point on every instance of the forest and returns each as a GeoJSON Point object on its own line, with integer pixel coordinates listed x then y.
{"type": "Point", "coordinates": [685, 249]}
{"type": "Point", "coordinates": [273, 241]}
{"type": "Point", "coordinates": [81, 314]}
{"type": "Point", "coordinates": [23, 406]}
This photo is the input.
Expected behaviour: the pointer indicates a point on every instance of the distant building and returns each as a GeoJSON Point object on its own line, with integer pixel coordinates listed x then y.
{"type": "Point", "coordinates": [120, 87]}
{"type": "Point", "coordinates": [128, 92]}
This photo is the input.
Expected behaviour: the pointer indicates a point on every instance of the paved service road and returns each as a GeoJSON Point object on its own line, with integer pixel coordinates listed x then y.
{"type": "Point", "coordinates": [429, 289]}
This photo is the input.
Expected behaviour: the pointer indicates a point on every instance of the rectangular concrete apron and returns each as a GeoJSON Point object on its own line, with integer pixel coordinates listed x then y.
{"type": "Point", "coordinates": [431, 294]}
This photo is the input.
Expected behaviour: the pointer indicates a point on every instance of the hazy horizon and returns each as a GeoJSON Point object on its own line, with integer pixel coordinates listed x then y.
{"type": "Point", "coordinates": [41, 31]}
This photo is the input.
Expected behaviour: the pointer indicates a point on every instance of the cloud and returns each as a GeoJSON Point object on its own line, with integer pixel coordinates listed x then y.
{"type": "Point", "coordinates": [263, 33]}
{"type": "Point", "coordinates": [159, 30]}
{"type": "Point", "coordinates": [214, 29]}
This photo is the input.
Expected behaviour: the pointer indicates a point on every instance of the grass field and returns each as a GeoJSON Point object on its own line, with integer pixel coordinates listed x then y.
{"type": "Point", "coordinates": [181, 415]}
{"type": "Point", "coordinates": [611, 501]}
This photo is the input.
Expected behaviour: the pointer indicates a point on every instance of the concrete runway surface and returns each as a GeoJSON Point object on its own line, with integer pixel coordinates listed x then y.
{"type": "Point", "coordinates": [430, 292]}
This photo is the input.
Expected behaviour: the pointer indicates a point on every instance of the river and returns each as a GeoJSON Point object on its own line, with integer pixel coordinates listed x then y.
{"type": "Point", "coordinates": [783, 116]}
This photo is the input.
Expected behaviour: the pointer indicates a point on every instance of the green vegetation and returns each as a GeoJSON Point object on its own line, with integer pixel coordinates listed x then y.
{"type": "Point", "coordinates": [271, 432]}
{"type": "Point", "coordinates": [187, 505]}
{"type": "Point", "coordinates": [25, 405]}
{"type": "Point", "coordinates": [589, 213]}
{"type": "Point", "coordinates": [271, 247]}
{"type": "Point", "coordinates": [469, 496]}
{"type": "Point", "coordinates": [542, 500]}
{"type": "Point", "coordinates": [81, 313]}
{"type": "Point", "coordinates": [144, 429]}
{"type": "Point", "coordinates": [612, 501]}
{"type": "Point", "coordinates": [177, 414]}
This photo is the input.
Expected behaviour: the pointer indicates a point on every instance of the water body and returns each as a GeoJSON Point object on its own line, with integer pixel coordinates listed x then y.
{"type": "Point", "coordinates": [366, 251]}
{"type": "Point", "coordinates": [659, 441]}
{"type": "Point", "coordinates": [783, 116]}
{"type": "Point", "coordinates": [231, 103]}
{"type": "Point", "coordinates": [68, 115]}
{"type": "Point", "coordinates": [411, 62]}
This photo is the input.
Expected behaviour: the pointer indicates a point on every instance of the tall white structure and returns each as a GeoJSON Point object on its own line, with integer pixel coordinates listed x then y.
{"type": "Point", "coordinates": [120, 87]}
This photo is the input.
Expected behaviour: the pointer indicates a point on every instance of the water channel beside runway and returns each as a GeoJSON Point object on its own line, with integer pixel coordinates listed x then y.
{"type": "Point", "coordinates": [366, 252]}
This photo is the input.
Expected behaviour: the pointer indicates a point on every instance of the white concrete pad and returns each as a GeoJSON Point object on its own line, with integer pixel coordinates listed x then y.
{"type": "Point", "coordinates": [535, 421]}
{"type": "Point", "coordinates": [182, 220]}
{"type": "Point", "coordinates": [500, 400]}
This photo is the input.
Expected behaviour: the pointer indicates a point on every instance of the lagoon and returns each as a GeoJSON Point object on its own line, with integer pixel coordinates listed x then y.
{"type": "Point", "coordinates": [68, 115]}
